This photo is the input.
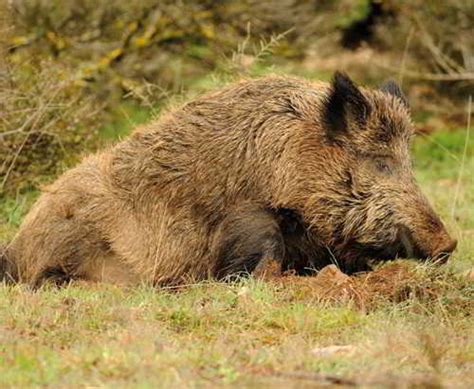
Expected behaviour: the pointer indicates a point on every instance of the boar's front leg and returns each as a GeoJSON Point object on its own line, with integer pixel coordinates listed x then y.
{"type": "Point", "coordinates": [249, 241]}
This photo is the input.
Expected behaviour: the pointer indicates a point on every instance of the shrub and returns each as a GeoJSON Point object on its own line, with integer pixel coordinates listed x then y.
{"type": "Point", "coordinates": [45, 121]}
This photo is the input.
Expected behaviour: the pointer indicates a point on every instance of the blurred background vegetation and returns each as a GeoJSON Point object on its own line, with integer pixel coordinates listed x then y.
{"type": "Point", "coordinates": [75, 74]}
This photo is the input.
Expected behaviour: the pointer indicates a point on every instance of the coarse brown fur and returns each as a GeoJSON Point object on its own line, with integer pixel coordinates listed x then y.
{"type": "Point", "coordinates": [282, 168]}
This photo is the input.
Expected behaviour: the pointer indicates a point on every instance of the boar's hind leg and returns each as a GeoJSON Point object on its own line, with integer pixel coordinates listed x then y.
{"type": "Point", "coordinates": [249, 241]}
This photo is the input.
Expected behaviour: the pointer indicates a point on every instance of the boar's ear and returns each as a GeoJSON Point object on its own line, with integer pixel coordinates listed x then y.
{"type": "Point", "coordinates": [392, 88]}
{"type": "Point", "coordinates": [344, 103]}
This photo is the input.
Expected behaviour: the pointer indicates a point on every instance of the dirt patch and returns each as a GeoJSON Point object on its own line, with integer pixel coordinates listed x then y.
{"type": "Point", "coordinates": [395, 282]}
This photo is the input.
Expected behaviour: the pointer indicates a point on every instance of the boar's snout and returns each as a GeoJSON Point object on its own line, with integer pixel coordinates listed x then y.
{"type": "Point", "coordinates": [424, 243]}
{"type": "Point", "coordinates": [423, 234]}
{"type": "Point", "coordinates": [444, 249]}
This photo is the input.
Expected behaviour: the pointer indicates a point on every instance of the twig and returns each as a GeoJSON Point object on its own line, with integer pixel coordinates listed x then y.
{"type": "Point", "coordinates": [267, 47]}
{"type": "Point", "coordinates": [467, 76]}
{"type": "Point", "coordinates": [405, 54]}
{"type": "Point", "coordinates": [446, 63]}
{"type": "Point", "coordinates": [321, 378]}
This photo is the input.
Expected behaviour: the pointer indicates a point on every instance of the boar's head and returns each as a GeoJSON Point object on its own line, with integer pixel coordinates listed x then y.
{"type": "Point", "coordinates": [376, 209]}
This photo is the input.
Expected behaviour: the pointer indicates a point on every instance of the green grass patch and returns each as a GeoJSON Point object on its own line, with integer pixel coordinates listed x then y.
{"type": "Point", "coordinates": [125, 117]}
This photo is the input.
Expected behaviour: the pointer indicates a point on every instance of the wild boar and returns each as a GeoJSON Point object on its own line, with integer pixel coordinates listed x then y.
{"type": "Point", "coordinates": [279, 168]}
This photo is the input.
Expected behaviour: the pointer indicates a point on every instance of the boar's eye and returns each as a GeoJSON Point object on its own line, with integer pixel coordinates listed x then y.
{"type": "Point", "coordinates": [383, 165]}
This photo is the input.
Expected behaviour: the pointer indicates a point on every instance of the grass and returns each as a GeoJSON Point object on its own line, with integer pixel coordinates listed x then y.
{"type": "Point", "coordinates": [252, 333]}
{"type": "Point", "coordinates": [248, 334]}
